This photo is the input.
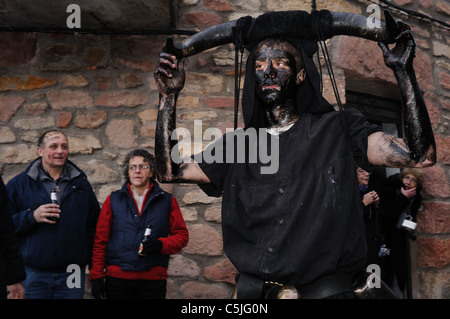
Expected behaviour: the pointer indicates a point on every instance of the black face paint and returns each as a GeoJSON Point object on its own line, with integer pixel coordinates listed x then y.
{"type": "Point", "coordinates": [275, 71]}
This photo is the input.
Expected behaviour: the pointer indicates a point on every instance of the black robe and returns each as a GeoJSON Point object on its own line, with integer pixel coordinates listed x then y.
{"type": "Point", "coordinates": [303, 221]}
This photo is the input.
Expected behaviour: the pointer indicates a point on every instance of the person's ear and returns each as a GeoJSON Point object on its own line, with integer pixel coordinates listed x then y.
{"type": "Point", "coordinates": [300, 76]}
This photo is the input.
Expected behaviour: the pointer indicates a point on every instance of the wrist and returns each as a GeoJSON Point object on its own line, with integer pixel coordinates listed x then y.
{"type": "Point", "coordinates": [402, 71]}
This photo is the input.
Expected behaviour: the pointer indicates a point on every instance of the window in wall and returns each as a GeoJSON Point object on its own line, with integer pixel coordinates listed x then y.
{"type": "Point", "coordinates": [383, 111]}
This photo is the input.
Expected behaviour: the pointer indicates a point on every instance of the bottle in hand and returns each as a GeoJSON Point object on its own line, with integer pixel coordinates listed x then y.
{"type": "Point", "coordinates": [54, 200]}
{"type": "Point", "coordinates": [147, 233]}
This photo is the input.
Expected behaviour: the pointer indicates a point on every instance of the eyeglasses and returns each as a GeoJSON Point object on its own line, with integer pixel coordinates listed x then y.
{"type": "Point", "coordinates": [141, 167]}
{"type": "Point", "coordinates": [362, 172]}
{"type": "Point", "coordinates": [410, 179]}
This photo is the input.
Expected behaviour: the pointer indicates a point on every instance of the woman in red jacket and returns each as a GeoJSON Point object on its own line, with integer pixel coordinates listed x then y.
{"type": "Point", "coordinates": [119, 269]}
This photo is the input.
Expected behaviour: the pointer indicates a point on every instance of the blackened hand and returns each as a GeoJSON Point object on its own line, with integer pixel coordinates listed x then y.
{"type": "Point", "coordinates": [169, 75]}
{"type": "Point", "coordinates": [402, 55]}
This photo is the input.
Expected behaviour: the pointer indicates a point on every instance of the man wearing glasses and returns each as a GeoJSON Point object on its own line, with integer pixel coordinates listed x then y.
{"type": "Point", "coordinates": [120, 269]}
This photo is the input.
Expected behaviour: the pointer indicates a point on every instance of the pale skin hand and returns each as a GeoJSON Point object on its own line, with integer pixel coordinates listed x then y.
{"type": "Point", "coordinates": [44, 211]}
{"type": "Point", "coordinates": [371, 198]}
{"type": "Point", "coordinates": [16, 291]}
{"type": "Point", "coordinates": [408, 193]}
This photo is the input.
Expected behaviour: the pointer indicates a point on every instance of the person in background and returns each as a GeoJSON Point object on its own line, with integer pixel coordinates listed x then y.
{"type": "Point", "coordinates": [401, 200]}
{"type": "Point", "coordinates": [372, 219]}
{"type": "Point", "coordinates": [12, 271]}
{"type": "Point", "coordinates": [53, 236]}
{"type": "Point", "coordinates": [121, 227]}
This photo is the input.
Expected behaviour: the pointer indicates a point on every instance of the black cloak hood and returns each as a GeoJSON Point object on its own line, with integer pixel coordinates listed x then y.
{"type": "Point", "coordinates": [249, 33]}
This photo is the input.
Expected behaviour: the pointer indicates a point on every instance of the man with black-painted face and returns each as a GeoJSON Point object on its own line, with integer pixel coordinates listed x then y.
{"type": "Point", "coordinates": [278, 74]}
{"type": "Point", "coordinates": [298, 231]}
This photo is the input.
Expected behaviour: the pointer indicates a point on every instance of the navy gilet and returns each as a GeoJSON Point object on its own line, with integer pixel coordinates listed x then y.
{"type": "Point", "coordinates": [127, 229]}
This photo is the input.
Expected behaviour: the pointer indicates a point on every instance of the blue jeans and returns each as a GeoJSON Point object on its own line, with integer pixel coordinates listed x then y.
{"type": "Point", "coordinates": [41, 284]}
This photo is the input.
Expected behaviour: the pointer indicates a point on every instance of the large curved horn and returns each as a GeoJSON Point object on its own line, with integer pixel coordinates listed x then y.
{"type": "Point", "coordinates": [300, 24]}
{"type": "Point", "coordinates": [357, 25]}
{"type": "Point", "coordinates": [204, 40]}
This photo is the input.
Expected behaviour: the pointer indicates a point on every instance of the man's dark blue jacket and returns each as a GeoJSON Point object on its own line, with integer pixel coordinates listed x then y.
{"type": "Point", "coordinates": [11, 263]}
{"type": "Point", "coordinates": [52, 247]}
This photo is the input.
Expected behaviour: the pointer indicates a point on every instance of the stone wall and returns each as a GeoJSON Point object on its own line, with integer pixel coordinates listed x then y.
{"type": "Point", "coordinates": [99, 90]}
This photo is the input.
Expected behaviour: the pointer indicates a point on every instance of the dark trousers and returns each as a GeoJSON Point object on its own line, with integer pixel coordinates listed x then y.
{"type": "Point", "coordinates": [117, 288]}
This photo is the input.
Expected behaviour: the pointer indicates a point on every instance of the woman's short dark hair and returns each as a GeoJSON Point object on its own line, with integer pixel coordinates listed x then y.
{"type": "Point", "coordinates": [149, 158]}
